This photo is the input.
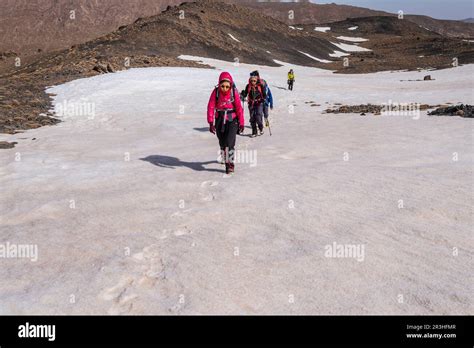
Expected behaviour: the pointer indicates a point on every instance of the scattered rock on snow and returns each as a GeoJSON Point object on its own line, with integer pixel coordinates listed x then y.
{"type": "Point", "coordinates": [369, 108]}
{"type": "Point", "coordinates": [356, 109]}
{"type": "Point", "coordinates": [454, 110]}
{"type": "Point", "coordinates": [7, 145]}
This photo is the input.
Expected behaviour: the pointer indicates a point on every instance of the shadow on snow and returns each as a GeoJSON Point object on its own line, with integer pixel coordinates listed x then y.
{"type": "Point", "coordinates": [173, 162]}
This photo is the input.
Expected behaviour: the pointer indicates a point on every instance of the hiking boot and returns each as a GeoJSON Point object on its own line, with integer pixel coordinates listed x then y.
{"type": "Point", "coordinates": [221, 158]}
{"type": "Point", "coordinates": [253, 135]}
{"type": "Point", "coordinates": [261, 132]}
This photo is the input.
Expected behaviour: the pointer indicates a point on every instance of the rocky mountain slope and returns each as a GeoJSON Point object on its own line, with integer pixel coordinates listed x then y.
{"type": "Point", "coordinates": [305, 13]}
{"type": "Point", "coordinates": [309, 13]}
{"type": "Point", "coordinates": [444, 27]}
{"type": "Point", "coordinates": [28, 26]}
{"type": "Point", "coordinates": [29, 29]}
{"type": "Point", "coordinates": [394, 44]}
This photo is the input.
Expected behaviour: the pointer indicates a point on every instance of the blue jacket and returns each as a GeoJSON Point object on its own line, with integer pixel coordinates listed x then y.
{"type": "Point", "coordinates": [269, 100]}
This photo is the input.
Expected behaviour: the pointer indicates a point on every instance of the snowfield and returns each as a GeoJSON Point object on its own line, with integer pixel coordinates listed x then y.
{"type": "Point", "coordinates": [333, 214]}
{"type": "Point", "coordinates": [233, 37]}
{"type": "Point", "coordinates": [322, 29]}
{"type": "Point", "coordinates": [350, 48]}
{"type": "Point", "coordinates": [317, 59]}
{"type": "Point", "coordinates": [338, 54]}
{"type": "Point", "coordinates": [352, 39]}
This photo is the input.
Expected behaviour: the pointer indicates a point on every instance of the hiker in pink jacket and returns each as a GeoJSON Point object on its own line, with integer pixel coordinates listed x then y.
{"type": "Point", "coordinates": [225, 104]}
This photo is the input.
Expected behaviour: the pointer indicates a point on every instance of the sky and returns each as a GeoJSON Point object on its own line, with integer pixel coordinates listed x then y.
{"type": "Point", "coordinates": [442, 9]}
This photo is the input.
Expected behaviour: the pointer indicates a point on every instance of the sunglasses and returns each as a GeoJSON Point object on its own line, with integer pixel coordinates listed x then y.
{"type": "Point", "coordinates": [225, 86]}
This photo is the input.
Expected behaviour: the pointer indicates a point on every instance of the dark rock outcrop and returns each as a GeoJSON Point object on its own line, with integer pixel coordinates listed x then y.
{"type": "Point", "coordinates": [454, 110]}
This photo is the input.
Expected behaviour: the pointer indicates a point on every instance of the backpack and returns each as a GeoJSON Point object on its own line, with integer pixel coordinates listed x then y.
{"type": "Point", "coordinates": [232, 93]}
{"type": "Point", "coordinates": [265, 87]}
{"type": "Point", "coordinates": [260, 89]}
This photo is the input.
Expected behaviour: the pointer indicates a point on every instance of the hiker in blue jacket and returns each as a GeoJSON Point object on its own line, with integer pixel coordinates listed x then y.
{"type": "Point", "coordinates": [268, 102]}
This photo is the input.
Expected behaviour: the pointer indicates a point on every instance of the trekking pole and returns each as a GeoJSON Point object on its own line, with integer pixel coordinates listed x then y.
{"type": "Point", "coordinates": [243, 109]}
{"type": "Point", "coordinates": [267, 123]}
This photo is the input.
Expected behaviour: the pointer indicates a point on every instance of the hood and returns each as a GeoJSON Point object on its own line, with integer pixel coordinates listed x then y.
{"type": "Point", "coordinates": [226, 76]}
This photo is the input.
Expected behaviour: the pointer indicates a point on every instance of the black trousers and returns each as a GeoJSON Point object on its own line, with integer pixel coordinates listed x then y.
{"type": "Point", "coordinates": [290, 84]}
{"type": "Point", "coordinates": [256, 117]}
{"type": "Point", "coordinates": [227, 134]}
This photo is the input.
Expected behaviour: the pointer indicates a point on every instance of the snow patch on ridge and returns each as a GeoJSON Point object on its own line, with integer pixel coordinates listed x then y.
{"type": "Point", "coordinates": [318, 59]}
{"type": "Point", "coordinates": [350, 48]}
{"type": "Point", "coordinates": [338, 54]}
{"type": "Point", "coordinates": [352, 39]}
{"type": "Point", "coordinates": [233, 38]}
{"type": "Point", "coordinates": [322, 29]}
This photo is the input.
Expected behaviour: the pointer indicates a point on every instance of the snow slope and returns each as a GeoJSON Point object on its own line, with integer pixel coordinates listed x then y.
{"type": "Point", "coordinates": [233, 37]}
{"type": "Point", "coordinates": [317, 59]}
{"type": "Point", "coordinates": [132, 214]}
{"type": "Point", "coordinates": [352, 39]}
{"type": "Point", "coordinates": [338, 54]}
{"type": "Point", "coordinates": [350, 48]}
{"type": "Point", "coordinates": [322, 29]}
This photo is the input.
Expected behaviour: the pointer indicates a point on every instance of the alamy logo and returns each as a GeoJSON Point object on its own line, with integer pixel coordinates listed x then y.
{"type": "Point", "coordinates": [356, 251]}
{"type": "Point", "coordinates": [37, 331]}
{"type": "Point", "coordinates": [401, 109]}
{"type": "Point", "coordinates": [238, 156]}
{"type": "Point", "coordinates": [82, 108]}
{"type": "Point", "coordinates": [19, 251]}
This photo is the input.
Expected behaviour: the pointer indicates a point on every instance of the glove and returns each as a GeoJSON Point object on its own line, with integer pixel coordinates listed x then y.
{"type": "Point", "coordinates": [267, 124]}
{"type": "Point", "coordinates": [271, 107]}
{"type": "Point", "coordinates": [241, 129]}
{"type": "Point", "coordinates": [212, 128]}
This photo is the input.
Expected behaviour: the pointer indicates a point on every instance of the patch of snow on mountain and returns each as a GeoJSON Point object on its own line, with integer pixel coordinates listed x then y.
{"type": "Point", "coordinates": [338, 54]}
{"type": "Point", "coordinates": [350, 48]}
{"type": "Point", "coordinates": [233, 38]}
{"type": "Point", "coordinates": [352, 39]}
{"type": "Point", "coordinates": [322, 29]}
{"type": "Point", "coordinates": [317, 59]}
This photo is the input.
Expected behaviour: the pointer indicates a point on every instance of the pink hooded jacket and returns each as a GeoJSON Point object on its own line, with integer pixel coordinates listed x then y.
{"type": "Point", "coordinates": [224, 101]}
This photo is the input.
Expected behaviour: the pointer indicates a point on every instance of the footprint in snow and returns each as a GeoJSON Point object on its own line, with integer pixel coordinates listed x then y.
{"type": "Point", "coordinates": [209, 183]}
{"type": "Point", "coordinates": [180, 213]}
